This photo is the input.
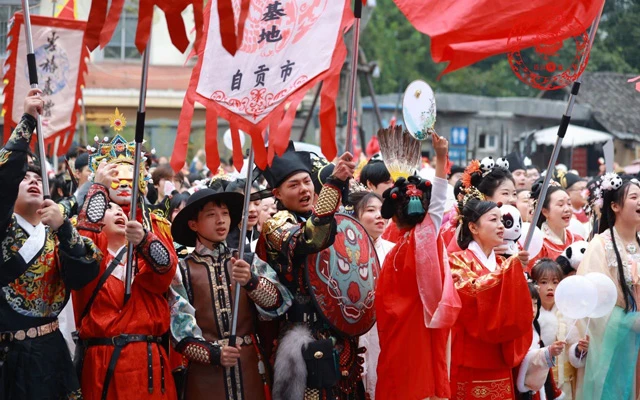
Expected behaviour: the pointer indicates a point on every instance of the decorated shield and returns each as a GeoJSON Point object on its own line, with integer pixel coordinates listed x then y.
{"type": "Point", "coordinates": [342, 279]}
{"type": "Point", "coordinates": [419, 109]}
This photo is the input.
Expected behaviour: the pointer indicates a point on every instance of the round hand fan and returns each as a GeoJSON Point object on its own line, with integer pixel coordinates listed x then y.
{"type": "Point", "coordinates": [419, 109]}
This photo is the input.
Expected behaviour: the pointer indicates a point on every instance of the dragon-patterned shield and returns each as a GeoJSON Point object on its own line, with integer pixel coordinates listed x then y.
{"type": "Point", "coordinates": [342, 279]}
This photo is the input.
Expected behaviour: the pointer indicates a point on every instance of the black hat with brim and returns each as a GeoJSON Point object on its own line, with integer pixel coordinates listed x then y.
{"type": "Point", "coordinates": [180, 230]}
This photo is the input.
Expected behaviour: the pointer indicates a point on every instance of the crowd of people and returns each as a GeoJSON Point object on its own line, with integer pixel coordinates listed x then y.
{"type": "Point", "coordinates": [462, 312]}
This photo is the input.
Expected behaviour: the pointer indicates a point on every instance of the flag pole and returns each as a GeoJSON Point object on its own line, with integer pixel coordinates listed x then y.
{"type": "Point", "coordinates": [136, 164]}
{"type": "Point", "coordinates": [243, 237]}
{"type": "Point", "coordinates": [33, 81]}
{"type": "Point", "coordinates": [562, 130]}
{"type": "Point", "coordinates": [357, 12]}
{"type": "Point", "coordinates": [84, 118]}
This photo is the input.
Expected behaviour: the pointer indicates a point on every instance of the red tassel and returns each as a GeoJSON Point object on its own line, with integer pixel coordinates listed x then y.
{"type": "Point", "coordinates": [238, 159]}
{"type": "Point", "coordinates": [211, 140]}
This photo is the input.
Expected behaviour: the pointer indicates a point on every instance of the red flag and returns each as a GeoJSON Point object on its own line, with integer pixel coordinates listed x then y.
{"type": "Point", "coordinates": [466, 31]}
{"type": "Point", "coordinates": [103, 20]}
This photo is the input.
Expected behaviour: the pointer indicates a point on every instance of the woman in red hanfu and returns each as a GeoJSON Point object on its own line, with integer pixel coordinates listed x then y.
{"type": "Point", "coordinates": [416, 302]}
{"type": "Point", "coordinates": [493, 331]}
{"type": "Point", "coordinates": [554, 221]}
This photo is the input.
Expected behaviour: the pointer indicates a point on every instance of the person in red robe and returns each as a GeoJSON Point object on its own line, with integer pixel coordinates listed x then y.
{"type": "Point", "coordinates": [124, 356]}
{"type": "Point", "coordinates": [493, 332]}
{"type": "Point", "coordinates": [416, 302]}
{"type": "Point", "coordinates": [554, 222]}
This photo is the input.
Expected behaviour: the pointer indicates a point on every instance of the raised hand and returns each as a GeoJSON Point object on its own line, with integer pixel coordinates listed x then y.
{"type": "Point", "coordinates": [345, 167]}
{"type": "Point", "coordinates": [51, 215]}
{"type": "Point", "coordinates": [33, 103]}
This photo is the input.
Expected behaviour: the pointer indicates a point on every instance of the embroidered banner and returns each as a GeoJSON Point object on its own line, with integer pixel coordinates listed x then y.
{"type": "Point", "coordinates": [61, 60]}
{"type": "Point", "coordinates": [288, 46]}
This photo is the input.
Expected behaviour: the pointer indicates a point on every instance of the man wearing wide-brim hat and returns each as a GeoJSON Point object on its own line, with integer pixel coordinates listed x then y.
{"type": "Point", "coordinates": [202, 296]}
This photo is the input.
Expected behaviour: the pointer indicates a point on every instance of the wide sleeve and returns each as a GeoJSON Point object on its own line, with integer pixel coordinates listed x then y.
{"type": "Point", "coordinates": [13, 168]}
{"type": "Point", "coordinates": [496, 307]}
{"type": "Point", "coordinates": [79, 257]}
{"type": "Point", "coordinates": [534, 369]}
{"type": "Point", "coordinates": [438, 201]}
{"type": "Point", "coordinates": [440, 300]}
{"type": "Point", "coordinates": [595, 260]}
{"type": "Point", "coordinates": [271, 298]}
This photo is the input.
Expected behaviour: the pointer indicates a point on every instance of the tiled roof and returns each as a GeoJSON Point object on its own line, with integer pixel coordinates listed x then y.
{"type": "Point", "coordinates": [614, 102]}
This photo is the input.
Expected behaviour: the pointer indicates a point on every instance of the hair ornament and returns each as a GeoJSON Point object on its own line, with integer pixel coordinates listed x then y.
{"type": "Point", "coordinates": [472, 169]}
{"type": "Point", "coordinates": [610, 181]}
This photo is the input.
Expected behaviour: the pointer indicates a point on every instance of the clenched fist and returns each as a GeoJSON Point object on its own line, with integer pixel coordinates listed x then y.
{"type": "Point", "coordinates": [51, 215]}
{"type": "Point", "coordinates": [33, 103]}
{"type": "Point", "coordinates": [345, 167]}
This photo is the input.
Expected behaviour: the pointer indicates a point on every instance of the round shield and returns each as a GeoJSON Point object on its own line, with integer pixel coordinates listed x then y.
{"type": "Point", "coordinates": [342, 279]}
{"type": "Point", "coordinates": [419, 109]}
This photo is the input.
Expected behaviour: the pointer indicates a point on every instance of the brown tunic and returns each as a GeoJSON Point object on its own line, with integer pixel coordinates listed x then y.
{"type": "Point", "coordinates": [213, 297]}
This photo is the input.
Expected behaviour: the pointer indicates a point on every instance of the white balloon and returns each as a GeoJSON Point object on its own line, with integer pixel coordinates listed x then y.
{"type": "Point", "coordinates": [607, 294]}
{"type": "Point", "coordinates": [577, 228]}
{"type": "Point", "coordinates": [576, 297]}
{"type": "Point", "coordinates": [536, 241]}
{"type": "Point", "coordinates": [226, 139]}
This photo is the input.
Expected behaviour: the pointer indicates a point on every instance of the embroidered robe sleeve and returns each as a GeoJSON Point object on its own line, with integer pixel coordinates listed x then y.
{"type": "Point", "coordinates": [159, 259]}
{"type": "Point", "coordinates": [13, 168]}
{"type": "Point", "coordinates": [271, 298]}
{"type": "Point", "coordinates": [287, 238]}
{"type": "Point", "coordinates": [496, 307]}
{"type": "Point", "coordinates": [185, 332]}
{"type": "Point", "coordinates": [79, 257]}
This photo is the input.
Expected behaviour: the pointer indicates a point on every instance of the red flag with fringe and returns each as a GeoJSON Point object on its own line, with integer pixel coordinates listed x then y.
{"type": "Point", "coordinates": [288, 47]}
{"type": "Point", "coordinates": [61, 59]}
{"type": "Point", "coordinates": [464, 32]}
{"type": "Point", "coordinates": [103, 20]}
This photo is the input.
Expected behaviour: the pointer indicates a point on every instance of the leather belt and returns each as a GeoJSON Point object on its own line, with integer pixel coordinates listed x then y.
{"type": "Point", "coordinates": [30, 333]}
{"type": "Point", "coordinates": [302, 312]}
{"type": "Point", "coordinates": [240, 340]}
{"type": "Point", "coordinates": [119, 342]}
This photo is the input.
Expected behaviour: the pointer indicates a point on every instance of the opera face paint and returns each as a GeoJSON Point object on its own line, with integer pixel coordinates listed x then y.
{"type": "Point", "coordinates": [121, 189]}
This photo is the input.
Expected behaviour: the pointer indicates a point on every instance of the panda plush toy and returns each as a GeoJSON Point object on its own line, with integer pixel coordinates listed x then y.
{"type": "Point", "coordinates": [487, 164]}
{"type": "Point", "coordinates": [512, 222]}
{"type": "Point", "coordinates": [502, 163]}
{"type": "Point", "coordinates": [571, 257]}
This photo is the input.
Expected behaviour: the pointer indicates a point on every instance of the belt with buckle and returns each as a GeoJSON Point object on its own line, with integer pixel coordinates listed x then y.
{"type": "Point", "coordinates": [240, 340]}
{"type": "Point", "coordinates": [30, 333]}
{"type": "Point", "coordinates": [121, 341]}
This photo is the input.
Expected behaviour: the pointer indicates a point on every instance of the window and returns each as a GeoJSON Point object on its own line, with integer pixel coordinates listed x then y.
{"type": "Point", "coordinates": [122, 45]}
{"type": "Point", "coordinates": [6, 13]}
{"type": "Point", "coordinates": [487, 141]}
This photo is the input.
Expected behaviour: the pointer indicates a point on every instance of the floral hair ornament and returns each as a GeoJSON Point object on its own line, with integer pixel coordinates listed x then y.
{"type": "Point", "coordinates": [610, 181]}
